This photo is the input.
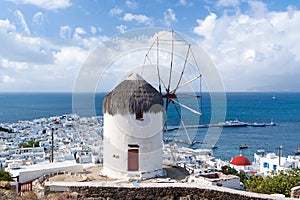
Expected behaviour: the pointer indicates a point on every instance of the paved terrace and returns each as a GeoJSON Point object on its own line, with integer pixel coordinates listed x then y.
{"type": "Point", "coordinates": [91, 184]}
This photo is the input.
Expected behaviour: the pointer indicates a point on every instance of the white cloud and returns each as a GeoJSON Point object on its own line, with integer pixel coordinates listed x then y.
{"type": "Point", "coordinates": [228, 3]}
{"type": "Point", "coordinates": [30, 63]}
{"type": "Point", "coordinates": [182, 2]}
{"type": "Point", "coordinates": [122, 28]}
{"type": "Point", "coordinates": [15, 66]}
{"type": "Point", "coordinates": [93, 30]}
{"type": "Point", "coordinates": [22, 21]}
{"type": "Point", "coordinates": [206, 26]}
{"type": "Point", "coordinates": [291, 10]}
{"type": "Point", "coordinates": [38, 18]}
{"type": "Point", "coordinates": [38, 24]}
{"type": "Point", "coordinates": [68, 57]}
{"type": "Point", "coordinates": [131, 4]}
{"type": "Point", "coordinates": [46, 4]}
{"type": "Point", "coordinates": [169, 17]}
{"type": "Point", "coordinates": [141, 19]}
{"type": "Point", "coordinates": [254, 48]}
{"type": "Point", "coordinates": [6, 26]}
{"type": "Point", "coordinates": [83, 40]}
{"type": "Point", "coordinates": [65, 32]}
{"type": "Point", "coordinates": [185, 3]}
{"type": "Point", "coordinates": [115, 11]}
{"type": "Point", "coordinates": [22, 48]}
{"type": "Point", "coordinates": [80, 31]}
{"type": "Point", "coordinates": [7, 79]}
{"type": "Point", "coordinates": [120, 56]}
{"type": "Point", "coordinates": [259, 9]}
{"type": "Point", "coordinates": [254, 51]}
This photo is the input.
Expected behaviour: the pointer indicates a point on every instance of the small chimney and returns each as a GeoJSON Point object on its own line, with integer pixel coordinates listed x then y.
{"type": "Point", "coordinates": [280, 154]}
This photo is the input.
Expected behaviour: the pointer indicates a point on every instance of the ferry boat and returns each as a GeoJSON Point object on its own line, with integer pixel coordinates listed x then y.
{"type": "Point", "coordinates": [297, 152]}
{"type": "Point", "coordinates": [232, 123]}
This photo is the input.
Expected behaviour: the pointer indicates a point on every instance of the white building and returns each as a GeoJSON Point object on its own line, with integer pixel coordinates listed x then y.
{"type": "Point", "coordinates": [133, 124]}
{"type": "Point", "coordinates": [292, 162]}
{"type": "Point", "coordinates": [268, 162]}
{"type": "Point", "coordinates": [26, 174]}
{"type": "Point", "coordinates": [217, 179]}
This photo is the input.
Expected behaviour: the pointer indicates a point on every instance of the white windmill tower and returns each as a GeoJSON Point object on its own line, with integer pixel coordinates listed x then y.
{"type": "Point", "coordinates": [133, 125]}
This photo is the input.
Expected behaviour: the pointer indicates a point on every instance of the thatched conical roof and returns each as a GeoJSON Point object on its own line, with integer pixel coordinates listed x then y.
{"type": "Point", "coordinates": [133, 95]}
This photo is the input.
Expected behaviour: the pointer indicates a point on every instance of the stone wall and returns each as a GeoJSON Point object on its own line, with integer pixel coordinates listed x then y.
{"type": "Point", "coordinates": [164, 192]}
{"type": "Point", "coordinates": [295, 192]}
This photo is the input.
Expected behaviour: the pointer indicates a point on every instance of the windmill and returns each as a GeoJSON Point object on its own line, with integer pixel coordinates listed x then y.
{"type": "Point", "coordinates": [177, 77]}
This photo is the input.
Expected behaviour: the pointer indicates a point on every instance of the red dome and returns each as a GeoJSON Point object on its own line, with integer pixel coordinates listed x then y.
{"type": "Point", "coordinates": [240, 161]}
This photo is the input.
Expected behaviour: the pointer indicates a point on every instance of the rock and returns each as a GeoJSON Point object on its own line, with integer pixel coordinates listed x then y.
{"type": "Point", "coordinates": [5, 184]}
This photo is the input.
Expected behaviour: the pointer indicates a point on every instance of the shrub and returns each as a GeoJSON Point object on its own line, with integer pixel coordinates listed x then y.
{"type": "Point", "coordinates": [279, 182]}
{"type": "Point", "coordinates": [5, 176]}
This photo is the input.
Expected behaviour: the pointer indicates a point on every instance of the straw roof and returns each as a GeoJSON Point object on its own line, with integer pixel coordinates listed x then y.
{"type": "Point", "coordinates": [133, 95]}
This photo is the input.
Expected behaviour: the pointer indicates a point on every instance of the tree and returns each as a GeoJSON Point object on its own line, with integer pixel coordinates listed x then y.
{"type": "Point", "coordinates": [278, 182]}
{"type": "Point", "coordinates": [229, 170]}
{"type": "Point", "coordinates": [5, 176]}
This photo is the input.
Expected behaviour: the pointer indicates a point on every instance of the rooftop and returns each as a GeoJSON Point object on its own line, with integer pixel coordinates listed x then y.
{"type": "Point", "coordinates": [133, 95]}
{"type": "Point", "coordinates": [240, 161]}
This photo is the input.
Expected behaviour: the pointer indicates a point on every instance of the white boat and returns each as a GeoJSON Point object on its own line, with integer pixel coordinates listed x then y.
{"type": "Point", "coordinates": [271, 124]}
{"type": "Point", "coordinates": [256, 124]}
{"type": "Point", "coordinates": [244, 146]}
{"type": "Point", "coordinates": [232, 123]}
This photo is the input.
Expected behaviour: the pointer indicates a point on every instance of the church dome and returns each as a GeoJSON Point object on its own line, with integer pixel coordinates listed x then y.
{"type": "Point", "coordinates": [240, 161]}
{"type": "Point", "coordinates": [131, 96]}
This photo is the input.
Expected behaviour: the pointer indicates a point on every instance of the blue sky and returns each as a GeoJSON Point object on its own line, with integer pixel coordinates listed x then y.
{"type": "Point", "coordinates": [254, 44]}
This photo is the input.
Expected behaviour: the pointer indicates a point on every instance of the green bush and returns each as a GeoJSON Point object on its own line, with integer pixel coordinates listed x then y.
{"type": "Point", "coordinates": [5, 176]}
{"type": "Point", "coordinates": [279, 182]}
{"type": "Point", "coordinates": [229, 170]}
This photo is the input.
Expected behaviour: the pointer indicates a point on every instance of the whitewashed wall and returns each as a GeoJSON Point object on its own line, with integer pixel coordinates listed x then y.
{"type": "Point", "coordinates": [121, 130]}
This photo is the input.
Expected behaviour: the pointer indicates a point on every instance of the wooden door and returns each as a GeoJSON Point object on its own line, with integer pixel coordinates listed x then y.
{"type": "Point", "coordinates": [133, 159]}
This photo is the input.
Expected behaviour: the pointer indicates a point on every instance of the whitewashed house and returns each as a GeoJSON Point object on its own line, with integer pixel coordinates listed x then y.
{"type": "Point", "coordinates": [292, 162]}
{"type": "Point", "coordinates": [133, 124]}
{"type": "Point", "coordinates": [83, 156]}
{"type": "Point", "coordinates": [217, 179]}
{"type": "Point", "coordinates": [268, 162]}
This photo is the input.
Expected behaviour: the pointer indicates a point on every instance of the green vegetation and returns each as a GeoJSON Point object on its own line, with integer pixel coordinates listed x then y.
{"type": "Point", "coordinates": [29, 144]}
{"type": "Point", "coordinates": [278, 182]}
{"type": "Point", "coordinates": [229, 170]}
{"type": "Point", "coordinates": [5, 176]}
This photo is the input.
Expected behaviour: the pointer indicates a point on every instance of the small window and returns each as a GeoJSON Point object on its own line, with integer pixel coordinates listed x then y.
{"type": "Point", "coordinates": [139, 116]}
{"type": "Point", "coordinates": [266, 165]}
{"type": "Point", "coordinates": [274, 167]}
{"type": "Point", "coordinates": [133, 146]}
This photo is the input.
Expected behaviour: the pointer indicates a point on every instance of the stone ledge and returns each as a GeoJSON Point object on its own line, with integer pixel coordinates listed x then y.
{"type": "Point", "coordinates": [118, 190]}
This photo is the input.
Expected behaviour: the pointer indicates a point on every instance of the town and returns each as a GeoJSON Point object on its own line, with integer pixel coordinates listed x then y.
{"type": "Point", "coordinates": [32, 149]}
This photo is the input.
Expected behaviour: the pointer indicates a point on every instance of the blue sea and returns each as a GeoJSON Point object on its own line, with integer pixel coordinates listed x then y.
{"type": "Point", "coordinates": [282, 108]}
